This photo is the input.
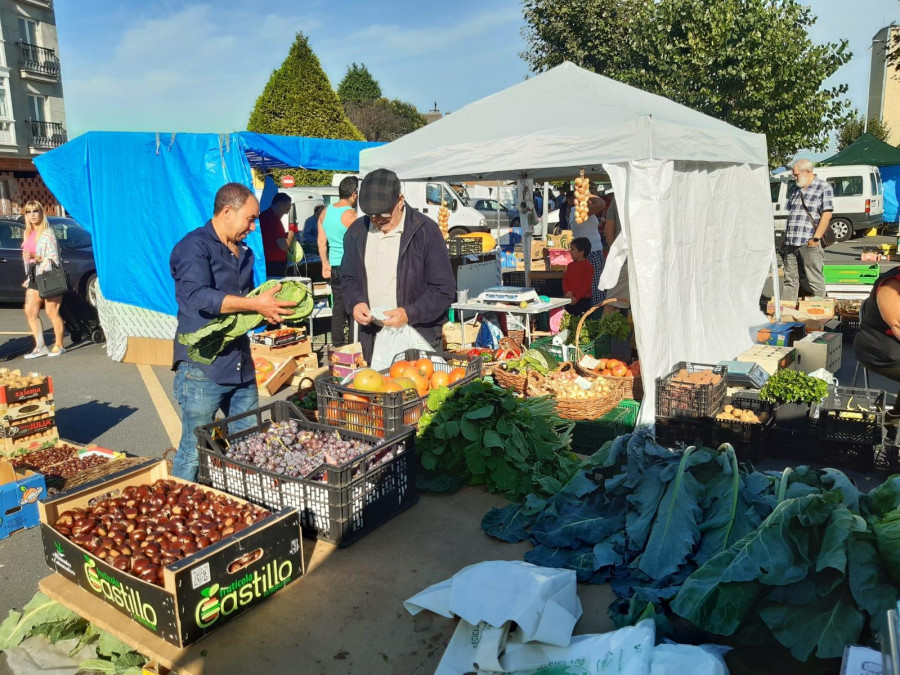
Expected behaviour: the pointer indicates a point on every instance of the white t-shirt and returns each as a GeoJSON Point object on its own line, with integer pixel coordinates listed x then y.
{"type": "Point", "coordinates": [382, 255]}
{"type": "Point", "coordinates": [589, 229]}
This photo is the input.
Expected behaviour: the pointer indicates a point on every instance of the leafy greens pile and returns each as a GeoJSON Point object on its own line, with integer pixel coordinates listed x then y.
{"type": "Point", "coordinates": [798, 556]}
{"type": "Point", "coordinates": [46, 617]}
{"type": "Point", "coordinates": [205, 344]}
{"type": "Point", "coordinates": [613, 324]}
{"type": "Point", "coordinates": [483, 435]}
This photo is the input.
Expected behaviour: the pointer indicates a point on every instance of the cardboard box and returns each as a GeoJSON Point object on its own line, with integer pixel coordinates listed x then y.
{"type": "Point", "coordinates": [781, 334]}
{"type": "Point", "coordinates": [772, 359]}
{"type": "Point", "coordinates": [818, 308]}
{"type": "Point", "coordinates": [149, 351]}
{"type": "Point", "coordinates": [342, 371]}
{"type": "Point", "coordinates": [561, 240]}
{"type": "Point", "coordinates": [19, 494]}
{"type": "Point", "coordinates": [39, 387]}
{"type": "Point", "coordinates": [279, 338]}
{"type": "Point", "coordinates": [199, 593]}
{"type": "Point", "coordinates": [24, 411]}
{"type": "Point", "coordinates": [282, 373]}
{"type": "Point", "coordinates": [280, 354]}
{"type": "Point", "coordinates": [348, 355]}
{"type": "Point", "coordinates": [785, 305]}
{"type": "Point", "coordinates": [23, 436]}
{"type": "Point", "coordinates": [819, 350]}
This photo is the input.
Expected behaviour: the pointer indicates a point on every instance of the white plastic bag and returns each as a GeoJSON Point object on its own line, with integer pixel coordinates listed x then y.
{"type": "Point", "coordinates": [392, 341]}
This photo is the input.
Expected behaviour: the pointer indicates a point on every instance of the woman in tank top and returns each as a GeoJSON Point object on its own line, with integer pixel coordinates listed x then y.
{"type": "Point", "coordinates": [333, 223]}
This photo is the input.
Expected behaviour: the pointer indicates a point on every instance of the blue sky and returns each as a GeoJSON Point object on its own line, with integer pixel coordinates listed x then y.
{"type": "Point", "coordinates": [165, 65]}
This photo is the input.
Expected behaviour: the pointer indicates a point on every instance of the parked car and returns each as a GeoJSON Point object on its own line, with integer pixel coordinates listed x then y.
{"type": "Point", "coordinates": [76, 252]}
{"type": "Point", "coordinates": [489, 209]}
{"type": "Point", "coordinates": [858, 198]}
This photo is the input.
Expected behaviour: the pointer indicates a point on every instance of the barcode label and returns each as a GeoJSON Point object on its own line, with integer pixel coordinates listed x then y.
{"type": "Point", "coordinates": [200, 576]}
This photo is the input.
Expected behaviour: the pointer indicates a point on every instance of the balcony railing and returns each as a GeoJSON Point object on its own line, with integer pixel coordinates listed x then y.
{"type": "Point", "coordinates": [38, 60]}
{"type": "Point", "coordinates": [45, 135]}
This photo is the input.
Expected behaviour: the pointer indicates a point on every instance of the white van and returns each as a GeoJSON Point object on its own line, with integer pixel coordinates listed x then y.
{"type": "Point", "coordinates": [858, 198]}
{"type": "Point", "coordinates": [425, 196]}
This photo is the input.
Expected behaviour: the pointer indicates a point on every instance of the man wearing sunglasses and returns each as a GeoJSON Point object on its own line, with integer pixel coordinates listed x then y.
{"type": "Point", "coordinates": [395, 259]}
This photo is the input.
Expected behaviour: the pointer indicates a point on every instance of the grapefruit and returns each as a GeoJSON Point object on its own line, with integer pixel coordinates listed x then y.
{"type": "Point", "coordinates": [420, 382]}
{"type": "Point", "coordinates": [368, 380]}
{"type": "Point", "coordinates": [398, 368]}
{"type": "Point", "coordinates": [440, 379]}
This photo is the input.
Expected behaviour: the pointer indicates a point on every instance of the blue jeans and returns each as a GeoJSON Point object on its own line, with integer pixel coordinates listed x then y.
{"type": "Point", "coordinates": [200, 398]}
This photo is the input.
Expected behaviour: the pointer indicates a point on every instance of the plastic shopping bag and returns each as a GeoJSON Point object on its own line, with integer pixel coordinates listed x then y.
{"type": "Point", "coordinates": [392, 341]}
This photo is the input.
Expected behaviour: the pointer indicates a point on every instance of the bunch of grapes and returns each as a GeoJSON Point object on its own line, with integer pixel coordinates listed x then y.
{"type": "Point", "coordinates": [285, 448]}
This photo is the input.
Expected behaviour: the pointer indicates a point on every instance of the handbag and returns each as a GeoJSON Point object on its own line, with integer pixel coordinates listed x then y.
{"type": "Point", "coordinates": [828, 237]}
{"type": "Point", "coordinates": [54, 282]}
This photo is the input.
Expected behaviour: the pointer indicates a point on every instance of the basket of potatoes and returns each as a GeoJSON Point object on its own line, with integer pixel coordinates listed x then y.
{"type": "Point", "coordinates": [732, 413]}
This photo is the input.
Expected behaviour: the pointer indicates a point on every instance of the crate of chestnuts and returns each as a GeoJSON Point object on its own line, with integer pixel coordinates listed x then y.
{"type": "Point", "coordinates": [344, 483]}
{"type": "Point", "coordinates": [178, 558]}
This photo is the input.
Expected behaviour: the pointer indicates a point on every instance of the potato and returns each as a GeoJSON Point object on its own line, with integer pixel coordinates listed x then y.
{"type": "Point", "coordinates": [729, 408]}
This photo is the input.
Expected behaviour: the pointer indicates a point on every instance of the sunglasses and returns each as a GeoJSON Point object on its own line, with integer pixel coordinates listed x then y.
{"type": "Point", "coordinates": [33, 211]}
{"type": "Point", "coordinates": [385, 216]}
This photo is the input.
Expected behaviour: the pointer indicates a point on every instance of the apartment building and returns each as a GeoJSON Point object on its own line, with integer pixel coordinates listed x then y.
{"type": "Point", "coordinates": [32, 113]}
{"type": "Point", "coordinates": [884, 80]}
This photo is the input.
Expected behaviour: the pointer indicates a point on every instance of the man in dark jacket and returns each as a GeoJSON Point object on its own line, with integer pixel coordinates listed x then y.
{"type": "Point", "coordinates": [396, 261]}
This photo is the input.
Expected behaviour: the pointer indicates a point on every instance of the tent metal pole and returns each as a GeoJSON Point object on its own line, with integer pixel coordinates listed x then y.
{"type": "Point", "coordinates": [776, 290]}
{"type": "Point", "coordinates": [545, 217]}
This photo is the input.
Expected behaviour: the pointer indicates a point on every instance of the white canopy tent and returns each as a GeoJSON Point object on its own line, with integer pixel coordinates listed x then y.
{"type": "Point", "coordinates": [692, 192]}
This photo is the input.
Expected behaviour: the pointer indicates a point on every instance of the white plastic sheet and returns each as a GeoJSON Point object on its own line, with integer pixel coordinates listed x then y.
{"type": "Point", "coordinates": [542, 601]}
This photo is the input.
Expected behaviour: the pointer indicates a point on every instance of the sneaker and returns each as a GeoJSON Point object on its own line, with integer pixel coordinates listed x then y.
{"type": "Point", "coordinates": [57, 351]}
{"type": "Point", "coordinates": [37, 353]}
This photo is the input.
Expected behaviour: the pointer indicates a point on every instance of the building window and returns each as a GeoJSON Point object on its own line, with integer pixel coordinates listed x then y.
{"type": "Point", "coordinates": [28, 31]}
{"type": "Point", "coordinates": [4, 101]}
{"type": "Point", "coordinates": [36, 108]}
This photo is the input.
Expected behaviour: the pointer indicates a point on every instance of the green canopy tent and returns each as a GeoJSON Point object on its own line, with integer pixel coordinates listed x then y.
{"type": "Point", "coordinates": [869, 150]}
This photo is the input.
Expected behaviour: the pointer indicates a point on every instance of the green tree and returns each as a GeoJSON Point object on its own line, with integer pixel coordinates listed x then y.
{"type": "Point", "coordinates": [358, 85]}
{"type": "Point", "coordinates": [854, 128]}
{"type": "Point", "coordinates": [750, 63]}
{"type": "Point", "coordinates": [298, 101]}
{"type": "Point", "coordinates": [383, 119]}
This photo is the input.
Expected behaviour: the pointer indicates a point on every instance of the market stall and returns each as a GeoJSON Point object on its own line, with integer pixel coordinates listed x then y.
{"type": "Point", "coordinates": [693, 198]}
{"type": "Point", "coordinates": [138, 194]}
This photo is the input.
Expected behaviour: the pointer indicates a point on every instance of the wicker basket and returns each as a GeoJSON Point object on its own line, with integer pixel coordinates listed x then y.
{"type": "Point", "coordinates": [577, 409]}
{"type": "Point", "coordinates": [633, 386]}
{"type": "Point", "coordinates": [507, 380]}
{"type": "Point", "coordinates": [84, 477]}
{"type": "Point", "coordinates": [307, 385]}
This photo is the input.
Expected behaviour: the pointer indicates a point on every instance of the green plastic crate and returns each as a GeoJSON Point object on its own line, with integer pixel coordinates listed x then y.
{"type": "Point", "coordinates": [852, 274]}
{"type": "Point", "coordinates": [597, 348]}
{"type": "Point", "coordinates": [589, 436]}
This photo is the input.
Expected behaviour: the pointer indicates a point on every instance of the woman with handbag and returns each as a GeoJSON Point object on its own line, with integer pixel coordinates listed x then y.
{"type": "Point", "coordinates": [40, 252]}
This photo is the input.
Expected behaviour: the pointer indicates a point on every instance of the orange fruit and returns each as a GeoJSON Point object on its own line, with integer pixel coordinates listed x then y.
{"type": "Point", "coordinates": [425, 368]}
{"type": "Point", "coordinates": [421, 383]}
{"type": "Point", "coordinates": [440, 379]}
{"type": "Point", "coordinates": [606, 372]}
{"type": "Point", "coordinates": [368, 380]}
{"type": "Point", "coordinates": [457, 374]}
{"type": "Point", "coordinates": [398, 368]}
{"type": "Point", "coordinates": [391, 386]}
{"type": "Point", "coordinates": [620, 371]}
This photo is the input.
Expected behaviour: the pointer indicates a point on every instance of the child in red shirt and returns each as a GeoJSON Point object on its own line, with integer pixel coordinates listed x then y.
{"type": "Point", "coordinates": [579, 277]}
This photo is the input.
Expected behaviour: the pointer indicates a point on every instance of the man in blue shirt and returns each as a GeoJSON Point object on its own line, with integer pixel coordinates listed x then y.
{"type": "Point", "coordinates": [213, 271]}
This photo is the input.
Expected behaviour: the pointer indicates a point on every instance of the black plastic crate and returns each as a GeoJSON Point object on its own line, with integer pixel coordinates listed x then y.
{"type": "Point", "coordinates": [887, 458]}
{"type": "Point", "coordinates": [462, 246]}
{"type": "Point", "coordinates": [691, 401]}
{"type": "Point", "coordinates": [795, 445]}
{"type": "Point", "coordinates": [672, 431]}
{"type": "Point", "coordinates": [378, 414]}
{"type": "Point", "coordinates": [550, 287]}
{"type": "Point", "coordinates": [749, 439]}
{"type": "Point", "coordinates": [868, 429]}
{"type": "Point", "coordinates": [338, 504]}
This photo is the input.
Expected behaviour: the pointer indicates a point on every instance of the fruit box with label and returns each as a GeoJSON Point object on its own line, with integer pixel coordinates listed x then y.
{"type": "Point", "coordinates": [269, 383]}
{"type": "Point", "coordinates": [33, 408]}
{"type": "Point", "coordinates": [281, 337]}
{"type": "Point", "coordinates": [772, 359]}
{"type": "Point", "coordinates": [19, 494]}
{"type": "Point", "coordinates": [16, 388]}
{"type": "Point", "coordinates": [780, 334]}
{"type": "Point", "coordinates": [28, 434]}
{"type": "Point", "coordinates": [200, 592]}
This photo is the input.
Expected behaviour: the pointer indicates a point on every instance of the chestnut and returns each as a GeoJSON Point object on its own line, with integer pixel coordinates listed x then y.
{"type": "Point", "coordinates": [203, 541]}
{"type": "Point", "coordinates": [63, 530]}
{"type": "Point", "coordinates": [150, 573]}
{"type": "Point", "coordinates": [131, 513]}
{"type": "Point", "coordinates": [122, 563]}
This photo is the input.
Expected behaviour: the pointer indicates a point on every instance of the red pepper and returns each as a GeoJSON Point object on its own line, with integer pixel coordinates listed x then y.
{"type": "Point", "coordinates": [474, 352]}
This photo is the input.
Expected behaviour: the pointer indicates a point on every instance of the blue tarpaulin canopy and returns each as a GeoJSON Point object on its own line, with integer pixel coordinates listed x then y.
{"type": "Point", "coordinates": [139, 193]}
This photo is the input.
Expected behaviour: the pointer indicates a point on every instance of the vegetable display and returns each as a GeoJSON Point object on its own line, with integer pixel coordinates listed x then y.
{"type": "Point", "coordinates": [531, 359]}
{"type": "Point", "coordinates": [798, 557]}
{"type": "Point", "coordinates": [206, 344]}
{"type": "Point", "coordinates": [287, 449]}
{"type": "Point", "coordinates": [613, 324]}
{"type": "Point", "coordinates": [483, 435]}
{"type": "Point", "coordinates": [792, 386]}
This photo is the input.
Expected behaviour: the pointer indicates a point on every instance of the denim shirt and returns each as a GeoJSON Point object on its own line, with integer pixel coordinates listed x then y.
{"type": "Point", "coordinates": [205, 271]}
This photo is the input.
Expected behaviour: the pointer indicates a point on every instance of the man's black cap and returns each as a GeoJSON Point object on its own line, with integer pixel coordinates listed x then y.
{"type": "Point", "coordinates": [379, 192]}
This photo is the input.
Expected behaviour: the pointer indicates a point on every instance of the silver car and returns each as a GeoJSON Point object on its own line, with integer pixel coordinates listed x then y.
{"type": "Point", "coordinates": [495, 214]}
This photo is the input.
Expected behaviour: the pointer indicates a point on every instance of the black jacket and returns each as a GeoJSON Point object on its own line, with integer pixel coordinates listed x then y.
{"type": "Point", "coordinates": [426, 286]}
